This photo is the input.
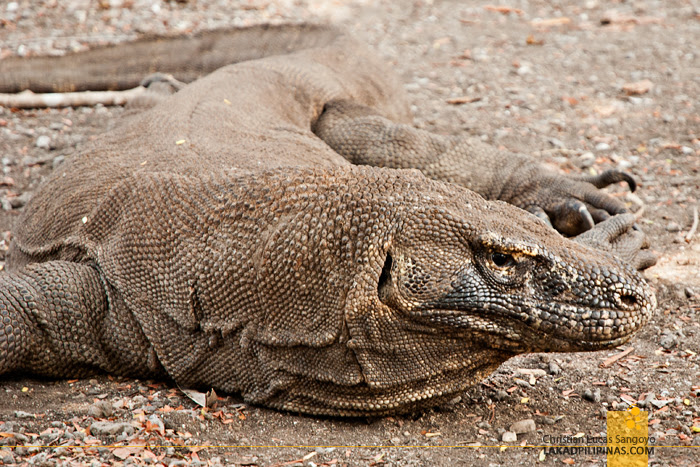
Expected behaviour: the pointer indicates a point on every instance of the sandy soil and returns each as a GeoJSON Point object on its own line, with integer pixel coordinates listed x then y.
{"type": "Point", "coordinates": [585, 86]}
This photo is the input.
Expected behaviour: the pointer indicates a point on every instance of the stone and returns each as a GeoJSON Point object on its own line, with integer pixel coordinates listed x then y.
{"type": "Point", "coordinates": [101, 409]}
{"type": "Point", "coordinates": [523, 426]}
{"type": "Point", "coordinates": [553, 368]}
{"type": "Point", "coordinates": [43, 142]}
{"type": "Point", "coordinates": [593, 396]}
{"type": "Point", "coordinates": [110, 428]}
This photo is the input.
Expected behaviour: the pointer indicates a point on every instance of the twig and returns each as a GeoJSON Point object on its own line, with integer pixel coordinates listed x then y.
{"type": "Point", "coordinates": [694, 227]}
{"type": "Point", "coordinates": [634, 199]}
{"type": "Point", "coordinates": [111, 38]}
{"type": "Point", "coordinates": [609, 361]}
{"type": "Point", "coordinates": [28, 99]}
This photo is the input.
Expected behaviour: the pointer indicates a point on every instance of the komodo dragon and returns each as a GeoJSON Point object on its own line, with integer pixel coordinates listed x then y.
{"type": "Point", "coordinates": [242, 234]}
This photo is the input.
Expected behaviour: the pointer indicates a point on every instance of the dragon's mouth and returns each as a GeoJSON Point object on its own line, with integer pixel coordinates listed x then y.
{"type": "Point", "coordinates": [530, 331]}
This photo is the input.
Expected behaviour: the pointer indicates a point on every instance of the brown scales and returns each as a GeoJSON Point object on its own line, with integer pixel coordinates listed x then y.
{"type": "Point", "coordinates": [225, 239]}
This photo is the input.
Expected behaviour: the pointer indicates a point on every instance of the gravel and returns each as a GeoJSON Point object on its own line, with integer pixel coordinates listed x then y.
{"type": "Point", "coordinates": [558, 98]}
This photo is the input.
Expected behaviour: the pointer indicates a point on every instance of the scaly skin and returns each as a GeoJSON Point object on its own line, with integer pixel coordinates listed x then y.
{"type": "Point", "coordinates": [415, 290]}
{"type": "Point", "coordinates": [572, 204]}
{"type": "Point", "coordinates": [219, 239]}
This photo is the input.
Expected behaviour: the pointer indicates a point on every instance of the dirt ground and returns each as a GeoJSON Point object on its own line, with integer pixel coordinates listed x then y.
{"type": "Point", "coordinates": [583, 85]}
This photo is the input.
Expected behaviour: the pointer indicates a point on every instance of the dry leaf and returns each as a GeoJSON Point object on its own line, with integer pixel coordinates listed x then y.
{"type": "Point", "coordinates": [121, 453]}
{"type": "Point", "coordinates": [545, 23]}
{"type": "Point", "coordinates": [530, 40]}
{"type": "Point", "coordinates": [440, 42]}
{"type": "Point", "coordinates": [211, 398]}
{"type": "Point", "coordinates": [637, 88]}
{"type": "Point", "coordinates": [503, 9]}
{"type": "Point", "coordinates": [610, 360]}
{"type": "Point", "coordinates": [614, 17]}
{"type": "Point", "coordinates": [605, 110]}
{"type": "Point", "coordinates": [197, 397]}
{"type": "Point", "coordinates": [462, 100]}
{"type": "Point", "coordinates": [629, 399]}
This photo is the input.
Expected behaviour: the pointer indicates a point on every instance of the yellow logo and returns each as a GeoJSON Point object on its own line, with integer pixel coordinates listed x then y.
{"type": "Point", "coordinates": [628, 438]}
{"type": "Point", "coordinates": [635, 421]}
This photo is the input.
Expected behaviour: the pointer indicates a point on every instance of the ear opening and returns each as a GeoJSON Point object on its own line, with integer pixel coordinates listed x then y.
{"type": "Point", "coordinates": [386, 273]}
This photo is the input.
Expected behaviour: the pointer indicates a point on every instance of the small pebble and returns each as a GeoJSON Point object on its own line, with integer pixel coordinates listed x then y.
{"type": "Point", "coordinates": [501, 395]}
{"type": "Point", "coordinates": [602, 147]}
{"type": "Point", "coordinates": [553, 368]}
{"type": "Point", "coordinates": [111, 428]}
{"type": "Point", "coordinates": [557, 143]}
{"type": "Point", "coordinates": [532, 371]}
{"type": "Point", "coordinates": [509, 437]}
{"type": "Point", "coordinates": [585, 160]}
{"type": "Point", "coordinates": [522, 382]}
{"type": "Point", "coordinates": [101, 409]}
{"type": "Point", "coordinates": [667, 341]}
{"type": "Point", "coordinates": [621, 406]}
{"type": "Point", "coordinates": [593, 396]}
{"type": "Point", "coordinates": [19, 437]}
{"type": "Point", "coordinates": [139, 400]}
{"type": "Point", "coordinates": [19, 201]}
{"type": "Point", "coordinates": [61, 451]}
{"type": "Point", "coordinates": [523, 426]}
{"type": "Point", "coordinates": [624, 165]}
{"type": "Point", "coordinates": [484, 425]}
{"type": "Point", "coordinates": [673, 227]}
{"type": "Point", "coordinates": [43, 142]}
{"type": "Point", "coordinates": [58, 160]}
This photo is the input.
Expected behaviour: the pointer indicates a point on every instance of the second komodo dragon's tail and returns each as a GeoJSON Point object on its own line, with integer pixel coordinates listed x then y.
{"type": "Point", "coordinates": [123, 66]}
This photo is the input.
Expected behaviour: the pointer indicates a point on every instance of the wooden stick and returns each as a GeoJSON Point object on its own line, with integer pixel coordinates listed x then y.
{"type": "Point", "coordinates": [28, 99]}
{"type": "Point", "coordinates": [609, 361]}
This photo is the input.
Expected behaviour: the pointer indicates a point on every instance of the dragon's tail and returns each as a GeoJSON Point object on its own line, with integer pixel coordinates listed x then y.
{"type": "Point", "coordinates": [123, 66]}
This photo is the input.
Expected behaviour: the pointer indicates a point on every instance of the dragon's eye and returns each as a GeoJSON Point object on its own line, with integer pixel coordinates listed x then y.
{"type": "Point", "coordinates": [502, 260]}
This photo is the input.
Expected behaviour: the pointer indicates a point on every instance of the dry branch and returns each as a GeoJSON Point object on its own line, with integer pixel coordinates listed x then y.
{"type": "Point", "coordinates": [610, 360]}
{"type": "Point", "coordinates": [28, 99]}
